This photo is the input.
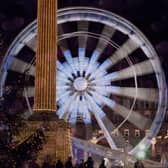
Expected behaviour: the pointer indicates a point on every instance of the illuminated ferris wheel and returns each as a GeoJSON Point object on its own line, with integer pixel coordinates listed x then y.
{"type": "Point", "coordinates": [103, 62]}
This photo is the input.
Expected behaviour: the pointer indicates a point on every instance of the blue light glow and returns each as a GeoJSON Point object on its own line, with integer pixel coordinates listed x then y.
{"type": "Point", "coordinates": [68, 85]}
{"type": "Point", "coordinates": [94, 106]}
{"type": "Point", "coordinates": [69, 59]}
{"type": "Point", "coordinates": [63, 109]}
{"type": "Point", "coordinates": [61, 96]}
{"type": "Point", "coordinates": [63, 69]}
{"type": "Point", "coordinates": [76, 64]}
{"type": "Point", "coordinates": [93, 59]}
{"type": "Point", "coordinates": [68, 69]}
{"type": "Point", "coordinates": [108, 78]}
{"type": "Point", "coordinates": [81, 55]}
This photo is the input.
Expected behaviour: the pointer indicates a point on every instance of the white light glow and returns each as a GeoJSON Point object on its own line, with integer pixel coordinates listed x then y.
{"type": "Point", "coordinates": [80, 84]}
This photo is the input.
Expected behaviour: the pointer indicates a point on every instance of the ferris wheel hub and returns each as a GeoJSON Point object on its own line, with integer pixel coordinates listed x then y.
{"type": "Point", "coordinates": [80, 84]}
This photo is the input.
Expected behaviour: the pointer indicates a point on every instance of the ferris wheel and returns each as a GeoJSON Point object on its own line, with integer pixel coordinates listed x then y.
{"type": "Point", "coordinates": [103, 62]}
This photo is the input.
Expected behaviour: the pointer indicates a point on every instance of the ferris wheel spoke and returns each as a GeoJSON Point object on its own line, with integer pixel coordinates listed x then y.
{"type": "Point", "coordinates": [30, 41]}
{"type": "Point", "coordinates": [63, 110]}
{"type": "Point", "coordinates": [101, 82]}
{"type": "Point", "coordinates": [23, 67]}
{"type": "Point", "coordinates": [58, 87]}
{"type": "Point", "coordinates": [82, 44]}
{"type": "Point", "coordinates": [102, 90]}
{"type": "Point", "coordinates": [61, 89]}
{"type": "Point", "coordinates": [60, 74]}
{"type": "Point", "coordinates": [127, 48]}
{"type": "Point", "coordinates": [97, 98]}
{"type": "Point", "coordinates": [111, 127]}
{"type": "Point", "coordinates": [63, 80]}
{"type": "Point", "coordinates": [67, 53]}
{"type": "Point", "coordinates": [76, 64]}
{"type": "Point", "coordinates": [73, 111]}
{"type": "Point", "coordinates": [63, 101]}
{"type": "Point", "coordinates": [101, 120]}
{"type": "Point", "coordinates": [103, 99]}
{"type": "Point", "coordinates": [64, 68]}
{"type": "Point", "coordinates": [92, 61]}
{"type": "Point", "coordinates": [146, 94]}
{"type": "Point", "coordinates": [140, 69]}
{"type": "Point", "coordinates": [61, 86]}
{"type": "Point", "coordinates": [62, 94]}
{"type": "Point", "coordinates": [135, 117]}
{"type": "Point", "coordinates": [73, 106]}
{"type": "Point", "coordinates": [101, 70]}
{"type": "Point", "coordinates": [82, 40]}
{"type": "Point", "coordinates": [81, 57]}
{"type": "Point", "coordinates": [69, 59]}
{"type": "Point", "coordinates": [102, 43]}
{"type": "Point", "coordinates": [62, 83]}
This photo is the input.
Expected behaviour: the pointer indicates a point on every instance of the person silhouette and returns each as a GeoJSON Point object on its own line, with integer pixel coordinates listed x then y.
{"type": "Point", "coordinates": [138, 164]}
{"type": "Point", "coordinates": [102, 165]}
{"type": "Point", "coordinates": [82, 164]}
{"type": "Point", "coordinates": [89, 163]}
{"type": "Point", "coordinates": [68, 163]}
{"type": "Point", "coordinates": [59, 164]}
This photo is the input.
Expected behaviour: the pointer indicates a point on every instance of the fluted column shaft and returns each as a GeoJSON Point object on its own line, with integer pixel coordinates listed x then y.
{"type": "Point", "coordinates": [45, 76]}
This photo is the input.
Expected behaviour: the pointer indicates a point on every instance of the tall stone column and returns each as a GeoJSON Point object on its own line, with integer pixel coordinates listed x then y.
{"type": "Point", "coordinates": [45, 76]}
{"type": "Point", "coordinates": [58, 141]}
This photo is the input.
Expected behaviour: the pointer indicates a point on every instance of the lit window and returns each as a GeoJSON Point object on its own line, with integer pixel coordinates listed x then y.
{"type": "Point", "coordinates": [137, 133]}
{"type": "Point", "coordinates": [126, 132]}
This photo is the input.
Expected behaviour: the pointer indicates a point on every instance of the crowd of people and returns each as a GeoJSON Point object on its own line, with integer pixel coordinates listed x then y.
{"type": "Point", "coordinates": [89, 163]}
